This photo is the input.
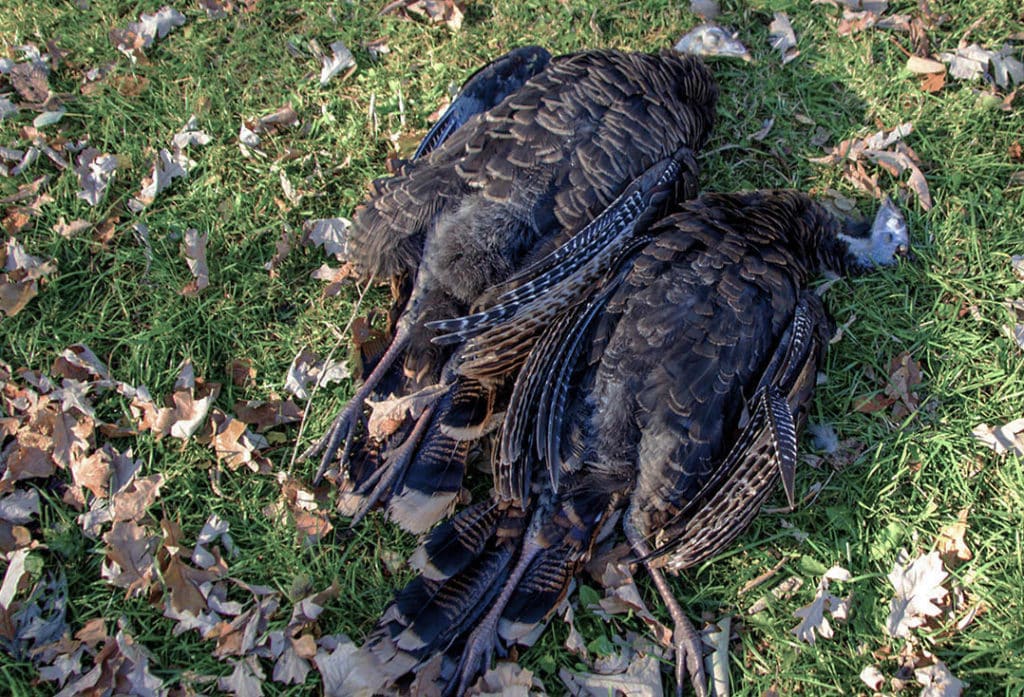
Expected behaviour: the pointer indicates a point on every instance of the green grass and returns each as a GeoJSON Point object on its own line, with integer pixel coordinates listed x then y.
{"type": "Point", "coordinates": [912, 478]}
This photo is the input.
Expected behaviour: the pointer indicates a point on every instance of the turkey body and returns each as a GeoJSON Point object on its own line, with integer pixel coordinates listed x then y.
{"type": "Point", "coordinates": [503, 191]}
{"type": "Point", "coordinates": [672, 393]}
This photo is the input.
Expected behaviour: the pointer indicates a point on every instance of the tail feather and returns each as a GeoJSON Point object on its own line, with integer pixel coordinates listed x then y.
{"type": "Point", "coordinates": [432, 482]}
{"type": "Point", "coordinates": [453, 545]}
{"type": "Point", "coordinates": [489, 578]}
{"type": "Point", "coordinates": [537, 594]}
{"type": "Point", "coordinates": [432, 614]}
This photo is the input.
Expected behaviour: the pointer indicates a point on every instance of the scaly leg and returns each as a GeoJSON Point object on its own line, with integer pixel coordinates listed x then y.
{"type": "Point", "coordinates": [479, 649]}
{"type": "Point", "coordinates": [688, 647]}
{"type": "Point", "coordinates": [343, 429]}
{"type": "Point", "coordinates": [393, 469]}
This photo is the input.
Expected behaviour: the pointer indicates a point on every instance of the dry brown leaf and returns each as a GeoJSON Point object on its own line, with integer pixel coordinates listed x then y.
{"type": "Point", "coordinates": [307, 610]}
{"type": "Point", "coordinates": [282, 248]}
{"type": "Point", "coordinates": [872, 677]}
{"type": "Point", "coordinates": [93, 472]}
{"type": "Point", "coordinates": [856, 21]}
{"type": "Point", "coordinates": [340, 59]}
{"type": "Point", "coordinates": [265, 415]}
{"type": "Point", "coordinates": [970, 62]}
{"type": "Point", "coordinates": [291, 668]}
{"type": "Point", "coordinates": [187, 408]}
{"type": "Point", "coordinates": [190, 134]}
{"type": "Point", "coordinates": [130, 85]}
{"type": "Point", "coordinates": [22, 274]}
{"type": "Point", "coordinates": [72, 438]}
{"type": "Point", "coordinates": [106, 230]}
{"type": "Point", "coordinates": [308, 368]}
{"type": "Point", "coordinates": [924, 66]}
{"type": "Point", "coordinates": [904, 377]}
{"type": "Point", "coordinates": [938, 681]}
{"type": "Point", "coordinates": [246, 680]}
{"type": "Point", "coordinates": [885, 149]}
{"type": "Point", "coordinates": [26, 460]}
{"type": "Point", "coordinates": [168, 166]}
{"type": "Point", "coordinates": [869, 405]}
{"type": "Point", "coordinates": [506, 678]}
{"type": "Point", "coordinates": [234, 444]}
{"type": "Point", "coordinates": [336, 279]}
{"type": "Point", "coordinates": [785, 590]}
{"type": "Point", "coordinates": [217, 9]}
{"type": "Point", "coordinates": [275, 122]}
{"type": "Point", "coordinates": [213, 530]}
{"type": "Point", "coordinates": [641, 677]}
{"type": "Point", "coordinates": [31, 80]}
{"type": "Point", "coordinates": [934, 82]}
{"type": "Point", "coordinates": [133, 499]}
{"type": "Point", "coordinates": [621, 596]}
{"type": "Point", "coordinates": [345, 670]}
{"type": "Point", "coordinates": [309, 515]}
{"type": "Point", "coordinates": [95, 171]}
{"type": "Point", "coordinates": [242, 373]}
{"type": "Point", "coordinates": [13, 576]}
{"type": "Point", "coordinates": [129, 561]}
{"type": "Point", "coordinates": [181, 581]}
{"type": "Point", "coordinates": [1015, 152]}
{"type": "Point", "coordinates": [78, 362]}
{"type": "Point", "coordinates": [951, 544]}
{"type": "Point", "coordinates": [329, 233]}
{"type": "Point", "coordinates": [142, 34]}
{"type": "Point", "coordinates": [388, 414]}
{"type": "Point", "coordinates": [447, 12]}
{"type": "Point", "coordinates": [20, 506]}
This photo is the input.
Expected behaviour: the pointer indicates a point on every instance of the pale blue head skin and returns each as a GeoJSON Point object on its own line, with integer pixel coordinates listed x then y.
{"type": "Point", "coordinates": [888, 241]}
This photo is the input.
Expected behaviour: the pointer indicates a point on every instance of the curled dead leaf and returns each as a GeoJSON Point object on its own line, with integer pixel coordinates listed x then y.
{"type": "Point", "coordinates": [21, 277]}
{"type": "Point", "coordinates": [1003, 439]}
{"type": "Point", "coordinates": [193, 246]}
{"type": "Point", "coordinates": [951, 545]}
{"type": "Point", "coordinates": [388, 414]}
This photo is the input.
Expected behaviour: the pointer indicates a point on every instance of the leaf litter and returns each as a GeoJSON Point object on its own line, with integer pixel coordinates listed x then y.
{"type": "Point", "coordinates": [447, 12]}
{"type": "Point", "coordinates": [193, 246]}
{"type": "Point", "coordinates": [308, 369]}
{"type": "Point", "coordinates": [21, 277]}
{"type": "Point", "coordinates": [340, 59]}
{"type": "Point", "coordinates": [920, 594]}
{"type": "Point", "coordinates": [329, 233]}
{"type": "Point", "coordinates": [1008, 438]}
{"type": "Point", "coordinates": [885, 149]}
{"type": "Point", "coordinates": [138, 36]}
{"type": "Point", "coordinates": [815, 616]}
{"type": "Point", "coordinates": [901, 393]}
{"type": "Point", "coordinates": [783, 38]}
{"type": "Point", "coordinates": [190, 581]}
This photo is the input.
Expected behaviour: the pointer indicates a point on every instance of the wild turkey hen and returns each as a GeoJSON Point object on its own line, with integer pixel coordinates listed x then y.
{"type": "Point", "coordinates": [497, 196]}
{"type": "Point", "coordinates": [673, 393]}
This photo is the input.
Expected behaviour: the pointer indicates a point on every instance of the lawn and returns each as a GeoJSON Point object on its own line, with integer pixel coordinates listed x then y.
{"type": "Point", "coordinates": [927, 351]}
